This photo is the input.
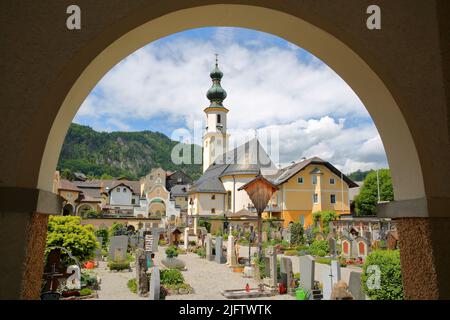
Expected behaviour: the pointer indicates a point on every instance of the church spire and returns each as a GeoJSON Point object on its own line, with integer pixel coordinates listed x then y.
{"type": "Point", "coordinates": [216, 94]}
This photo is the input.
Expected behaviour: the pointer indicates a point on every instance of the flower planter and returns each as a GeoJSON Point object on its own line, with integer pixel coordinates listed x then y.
{"type": "Point", "coordinates": [238, 269]}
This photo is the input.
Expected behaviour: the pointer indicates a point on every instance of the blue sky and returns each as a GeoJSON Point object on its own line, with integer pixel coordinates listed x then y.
{"type": "Point", "coordinates": [271, 85]}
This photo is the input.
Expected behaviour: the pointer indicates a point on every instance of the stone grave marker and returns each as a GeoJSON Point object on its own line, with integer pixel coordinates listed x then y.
{"type": "Point", "coordinates": [286, 274]}
{"type": "Point", "coordinates": [219, 251]}
{"type": "Point", "coordinates": [332, 246]}
{"type": "Point", "coordinates": [231, 252]}
{"type": "Point", "coordinates": [118, 246]}
{"type": "Point", "coordinates": [155, 233]}
{"type": "Point", "coordinates": [98, 251]}
{"type": "Point", "coordinates": [155, 284]}
{"type": "Point", "coordinates": [331, 278]}
{"type": "Point", "coordinates": [186, 239]}
{"type": "Point", "coordinates": [272, 281]}
{"type": "Point", "coordinates": [141, 275]}
{"type": "Point", "coordinates": [307, 270]}
{"type": "Point", "coordinates": [354, 286]}
{"type": "Point", "coordinates": [208, 245]}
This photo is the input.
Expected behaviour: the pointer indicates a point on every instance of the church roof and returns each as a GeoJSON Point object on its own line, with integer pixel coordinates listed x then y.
{"type": "Point", "coordinates": [248, 158]}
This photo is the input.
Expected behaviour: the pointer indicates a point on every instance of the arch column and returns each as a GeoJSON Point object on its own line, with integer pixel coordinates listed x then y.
{"type": "Point", "coordinates": [423, 227]}
{"type": "Point", "coordinates": [23, 229]}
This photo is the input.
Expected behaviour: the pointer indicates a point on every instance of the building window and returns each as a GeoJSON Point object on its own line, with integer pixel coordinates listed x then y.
{"type": "Point", "coordinates": [315, 198]}
{"type": "Point", "coordinates": [314, 179]}
{"type": "Point", "coordinates": [124, 189]}
{"type": "Point", "coordinates": [300, 180]}
{"type": "Point", "coordinates": [213, 197]}
{"type": "Point", "coordinates": [213, 210]}
{"type": "Point", "coordinates": [218, 118]}
{"type": "Point", "coordinates": [118, 189]}
{"type": "Point", "coordinates": [229, 200]}
{"type": "Point", "coordinates": [333, 198]}
{"type": "Point", "coordinates": [332, 181]}
{"type": "Point", "coordinates": [133, 201]}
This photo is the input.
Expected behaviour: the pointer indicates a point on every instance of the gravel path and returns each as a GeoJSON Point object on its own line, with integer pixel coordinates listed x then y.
{"type": "Point", "coordinates": [208, 279]}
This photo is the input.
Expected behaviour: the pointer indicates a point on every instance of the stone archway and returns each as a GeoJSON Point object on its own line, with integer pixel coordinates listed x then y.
{"type": "Point", "coordinates": [373, 64]}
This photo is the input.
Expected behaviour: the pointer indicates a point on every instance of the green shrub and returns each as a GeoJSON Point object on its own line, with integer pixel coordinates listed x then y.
{"type": "Point", "coordinates": [89, 279]}
{"type": "Point", "coordinates": [103, 233]}
{"type": "Point", "coordinates": [201, 252]}
{"type": "Point", "coordinates": [204, 223]}
{"type": "Point", "coordinates": [318, 248]}
{"type": "Point", "coordinates": [391, 287]}
{"type": "Point", "coordinates": [119, 265]}
{"type": "Point", "coordinates": [67, 232]}
{"type": "Point", "coordinates": [291, 253]}
{"type": "Point", "coordinates": [297, 232]}
{"type": "Point", "coordinates": [132, 285]}
{"type": "Point", "coordinates": [171, 277]}
{"type": "Point", "coordinates": [172, 252]}
{"type": "Point", "coordinates": [85, 292]}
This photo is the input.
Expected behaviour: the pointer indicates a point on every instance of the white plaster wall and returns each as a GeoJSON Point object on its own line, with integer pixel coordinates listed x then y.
{"type": "Point", "coordinates": [120, 198]}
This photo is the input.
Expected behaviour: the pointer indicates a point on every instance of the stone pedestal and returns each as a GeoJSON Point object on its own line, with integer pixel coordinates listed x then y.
{"type": "Point", "coordinates": [155, 284]}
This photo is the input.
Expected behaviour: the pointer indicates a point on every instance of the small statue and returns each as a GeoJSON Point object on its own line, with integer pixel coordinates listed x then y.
{"type": "Point", "coordinates": [340, 291]}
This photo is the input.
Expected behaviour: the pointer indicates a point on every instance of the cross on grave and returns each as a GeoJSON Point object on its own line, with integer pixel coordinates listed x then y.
{"type": "Point", "coordinates": [53, 271]}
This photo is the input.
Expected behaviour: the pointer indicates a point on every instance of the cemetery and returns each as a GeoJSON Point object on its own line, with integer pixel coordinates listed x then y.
{"type": "Point", "coordinates": [328, 260]}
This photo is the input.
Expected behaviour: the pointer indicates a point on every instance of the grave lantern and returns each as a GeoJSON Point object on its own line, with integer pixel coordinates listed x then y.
{"type": "Point", "coordinates": [260, 191]}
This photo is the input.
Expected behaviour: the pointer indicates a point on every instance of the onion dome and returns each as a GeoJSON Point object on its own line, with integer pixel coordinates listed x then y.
{"type": "Point", "coordinates": [216, 94]}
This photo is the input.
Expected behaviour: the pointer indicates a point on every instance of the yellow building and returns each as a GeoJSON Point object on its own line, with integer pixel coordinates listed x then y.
{"type": "Point", "coordinates": [306, 187]}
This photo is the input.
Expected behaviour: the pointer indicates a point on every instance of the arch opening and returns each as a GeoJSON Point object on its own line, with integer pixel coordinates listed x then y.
{"type": "Point", "coordinates": [397, 140]}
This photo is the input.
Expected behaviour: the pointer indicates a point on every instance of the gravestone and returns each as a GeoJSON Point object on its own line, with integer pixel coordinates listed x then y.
{"type": "Point", "coordinates": [354, 286]}
{"type": "Point", "coordinates": [331, 278]}
{"type": "Point", "coordinates": [118, 246]}
{"type": "Point", "coordinates": [74, 280]}
{"type": "Point", "coordinates": [98, 251]}
{"type": "Point", "coordinates": [264, 236]}
{"type": "Point", "coordinates": [307, 270]}
{"type": "Point", "coordinates": [155, 284]}
{"type": "Point", "coordinates": [272, 281]}
{"type": "Point", "coordinates": [332, 246]}
{"type": "Point", "coordinates": [209, 255]}
{"type": "Point", "coordinates": [186, 239]}
{"type": "Point", "coordinates": [286, 274]}
{"type": "Point", "coordinates": [141, 275]}
{"type": "Point", "coordinates": [231, 252]}
{"type": "Point", "coordinates": [155, 233]}
{"type": "Point", "coordinates": [219, 251]}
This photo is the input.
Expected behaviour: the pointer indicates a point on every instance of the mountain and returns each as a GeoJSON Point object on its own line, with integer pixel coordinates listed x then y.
{"type": "Point", "coordinates": [120, 154]}
{"type": "Point", "coordinates": [359, 175]}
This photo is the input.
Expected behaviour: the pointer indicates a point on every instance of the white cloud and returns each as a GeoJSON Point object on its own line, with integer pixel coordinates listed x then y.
{"type": "Point", "coordinates": [268, 87]}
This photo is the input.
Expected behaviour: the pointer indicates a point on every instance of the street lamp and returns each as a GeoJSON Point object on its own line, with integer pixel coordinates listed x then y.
{"type": "Point", "coordinates": [260, 191]}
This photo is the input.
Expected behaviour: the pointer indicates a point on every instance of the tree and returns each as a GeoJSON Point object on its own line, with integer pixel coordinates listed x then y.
{"type": "Point", "coordinates": [324, 218]}
{"type": "Point", "coordinates": [297, 234]}
{"type": "Point", "coordinates": [103, 233]}
{"type": "Point", "coordinates": [382, 277]}
{"type": "Point", "coordinates": [116, 229]}
{"type": "Point", "coordinates": [67, 174]}
{"type": "Point", "coordinates": [67, 232]}
{"type": "Point", "coordinates": [366, 201]}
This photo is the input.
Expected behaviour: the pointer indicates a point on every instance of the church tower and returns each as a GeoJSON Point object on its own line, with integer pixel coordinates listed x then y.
{"type": "Point", "coordinates": [215, 140]}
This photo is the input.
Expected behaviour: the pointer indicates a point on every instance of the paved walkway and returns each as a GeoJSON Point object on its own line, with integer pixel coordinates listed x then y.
{"type": "Point", "coordinates": [208, 279]}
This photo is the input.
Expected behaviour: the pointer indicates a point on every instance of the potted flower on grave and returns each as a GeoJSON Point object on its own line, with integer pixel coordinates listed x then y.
{"type": "Point", "coordinates": [239, 268]}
